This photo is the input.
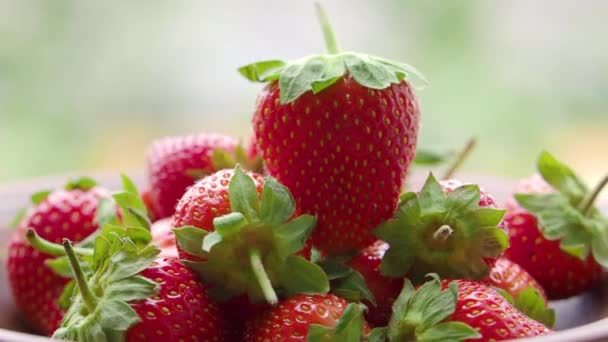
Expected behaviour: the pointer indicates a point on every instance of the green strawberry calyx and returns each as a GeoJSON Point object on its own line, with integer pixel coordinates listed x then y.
{"type": "Point", "coordinates": [346, 282]}
{"type": "Point", "coordinates": [100, 298]}
{"type": "Point", "coordinates": [532, 304]}
{"type": "Point", "coordinates": [349, 328]}
{"type": "Point", "coordinates": [447, 234]}
{"type": "Point", "coordinates": [251, 249]}
{"type": "Point", "coordinates": [318, 72]}
{"type": "Point", "coordinates": [423, 315]}
{"type": "Point", "coordinates": [568, 214]}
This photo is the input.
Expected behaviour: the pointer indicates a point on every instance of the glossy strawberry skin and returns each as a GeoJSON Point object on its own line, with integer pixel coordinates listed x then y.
{"type": "Point", "coordinates": [490, 314]}
{"type": "Point", "coordinates": [163, 237]}
{"type": "Point", "coordinates": [560, 274]}
{"type": "Point", "coordinates": [384, 289]}
{"type": "Point", "coordinates": [343, 153]}
{"type": "Point", "coordinates": [510, 277]}
{"type": "Point", "coordinates": [174, 164]}
{"type": "Point", "coordinates": [36, 288]}
{"type": "Point", "coordinates": [181, 311]}
{"type": "Point", "coordinates": [289, 320]}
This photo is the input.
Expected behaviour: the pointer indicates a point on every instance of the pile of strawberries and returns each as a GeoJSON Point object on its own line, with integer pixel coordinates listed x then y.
{"type": "Point", "coordinates": [306, 233]}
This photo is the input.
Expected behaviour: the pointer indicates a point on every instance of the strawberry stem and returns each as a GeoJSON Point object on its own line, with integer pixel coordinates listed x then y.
{"type": "Point", "coordinates": [89, 299]}
{"type": "Point", "coordinates": [47, 247]}
{"type": "Point", "coordinates": [460, 158]}
{"type": "Point", "coordinates": [587, 203]}
{"type": "Point", "coordinates": [262, 277]}
{"type": "Point", "coordinates": [328, 33]}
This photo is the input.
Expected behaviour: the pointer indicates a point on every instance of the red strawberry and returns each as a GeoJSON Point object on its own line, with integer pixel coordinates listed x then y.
{"type": "Point", "coordinates": [557, 235]}
{"type": "Point", "coordinates": [174, 163]}
{"type": "Point", "coordinates": [66, 213]}
{"type": "Point", "coordinates": [248, 235]}
{"type": "Point", "coordinates": [163, 237]}
{"type": "Point", "coordinates": [384, 289]}
{"type": "Point", "coordinates": [453, 232]}
{"type": "Point", "coordinates": [513, 279]}
{"type": "Point", "coordinates": [523, 291]}
{"type": "Point", "coordinates": [459, 310]}
{"type": "Point", "coordinates": [309, 318]}
{"type": "Point", "coordinates": [131, 294]}
{"type": "Point", "coordinates": [339, 130]}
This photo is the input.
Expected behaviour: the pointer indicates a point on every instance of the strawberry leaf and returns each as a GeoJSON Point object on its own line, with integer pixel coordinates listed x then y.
{"type": "Point", "coordinates": [277, 204]}
{"type": "Point", "coordinates": [349, 327]}
{"type": "Point", "coordinates": [318, 72]}
{"type": "Point", "coordinates": [447, 234]}
{"type": "Point", "coordinates": [533, 305]}
{"type": "Point", "coordinates": [82, 183]}
{"type": "Point", "coordinates": [244, 196]}
{"type": "Point", "coordinates": [190, 239]}
{"type": "Point", "coordinates": [353, 288]}
{"type": "Point", "coordinates": [302, 276]}
{"type": "Point", "coordinates": [419, 314]}
{"type": "Point", "coordinates": [561, 177]}
{"type": "Point", "coordinates": [40, 196]}
{"type": "Point", "coordinates": [430, 158]}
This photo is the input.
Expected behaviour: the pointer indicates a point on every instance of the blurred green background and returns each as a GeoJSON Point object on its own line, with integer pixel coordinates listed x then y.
{"type": "Point", "coordinates": [86, 85]}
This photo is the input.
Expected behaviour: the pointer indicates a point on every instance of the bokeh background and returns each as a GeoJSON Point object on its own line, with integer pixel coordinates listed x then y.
{"type": "Point", "coordinates": [86, 85]}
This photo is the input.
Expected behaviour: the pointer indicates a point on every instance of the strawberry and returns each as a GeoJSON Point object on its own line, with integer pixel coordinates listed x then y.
{"type": "Point", "coordinates": [239, 233]}
{"type": "Point", "coordinates": [64, 213]}
{"type": "Point", "coordinates": [458, 310]}
{"type": "Point", "coordinates": [163, 237]}
{"type": "Point", "coordinates": [130, 294]}
{"type": "Point", "coordinates": [557, 235]}
{"type": "Point", "coordinates": [523, 291]}
{"type": "Point", "coordinates": [445, 231]}
{"type": "Point", "coordinates": [339, 130]}
{"type": "Point", "coordinates": [309, 318]}
{"type": "Point", "coordinates": [384, 289]}
{"type": "Point", "coordinates": [175, 163]}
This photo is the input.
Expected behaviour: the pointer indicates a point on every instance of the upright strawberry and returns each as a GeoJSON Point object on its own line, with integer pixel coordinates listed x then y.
{"type": "Point", "coordinates": [175, 163]}
{"type": "Point", "coordinates": [64, 213]}
{"type": "Point", "coordinates": [559, 237]}
{"type": "Point", "coordinates": [240, 235]}
{"type": "Point", "coordinates": [313, 318]}
{"type": "Point", "coordinates": [339, 130]}
{"type": "Point", "coordinates": [442, 231]}
{"type": "Point", "coordinates": [458, 310]}
{"type": "Point", "coordinates": [129, 294]}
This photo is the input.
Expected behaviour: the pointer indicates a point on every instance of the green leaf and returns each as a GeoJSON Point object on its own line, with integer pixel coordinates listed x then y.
{"type": "Point", "coordinates": [463, 198]}
{"type": "Point", "coordinates": [369, 72]}
{"type": "Point", "coordinates": [353, 288]}
{"type": "Point", "coordinates": [378, 335]}
{"type": "Point", "coordinates": [261, 71]}
{"type": "Point", "coordinates": [403, 69]}
{"type": "Point", "coordinates": [222, 159]}
{"type": "Point", "coordinates": [117, 315]}
{"type": "Point", "coordinates": [83, 183]}
{"type": "Point", "coordinates": [449, 331]}
{"type": "Point", "coordinates": [318, 333]}
{"type": "Point", "coordinates": [60, 266]}
{"type": "Point", "coordinates": [40, 196]}
{"type": "Point", "coordinates": [334, 270]}
{"type": "Point", "coordinates": [210, 240]}
{"type": "Point", "coordinates": [297, 78]}
{"type": "Point", "coordinates": [302, 276]}
{"type": "Point", "coordinates": [599, 242]}
{"type": "Point", "coordinates": [106, 211]}
{"type": "Point", "coordinates": [132, 288]}
{"type": "Point", "coordinates": [533, 305]}
{"type": "Point", "coordinates": [432, 197]}
{"type": "Point", "coordinates": [190, 239]}
{"type": "Point", "coordinates": [277, 203]}
{"type": "Point", "coordinates": [292, 236]}
{"type": "Point", "coordinates": [431, 158]}
{"type": "Point", "coordinates": [129, 186]}
{"type": "Point", "coordinates": [244, 196]}
{"type": "Point", "coordinates": [229, 224]}
{"type": "Point", "coordinates": [561, 177]}
{"type": "Point", "coordinates": [65, 299]}
{"type": "Point", "coordinates": [349, 327]}
{"type": "Point", "coordinates": [397, 262]}
{"type": "Point", "coordinates": [400, 307]}
{"type": "Point", "coordinates": [141, 216]}
{"type": "Point", "coordinates": [18, 218]}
